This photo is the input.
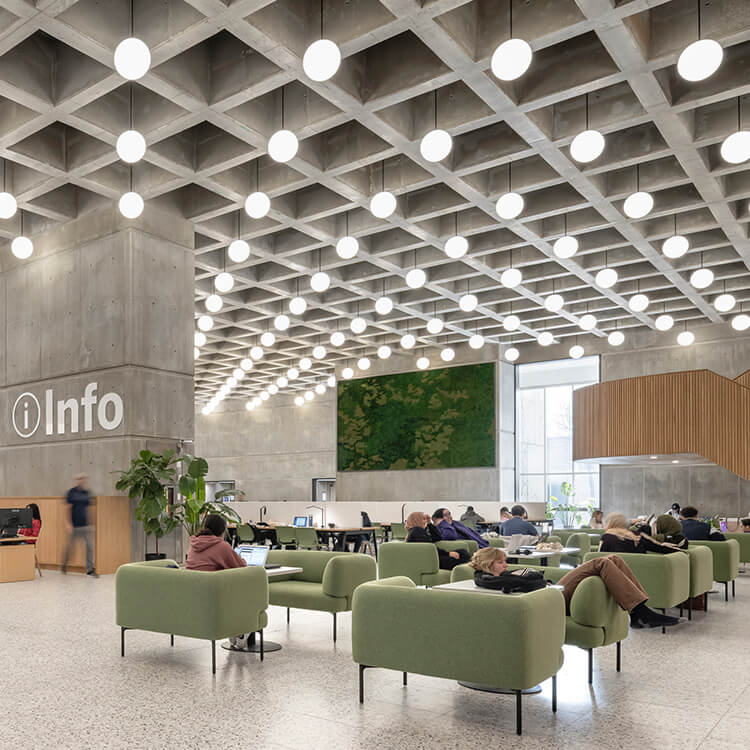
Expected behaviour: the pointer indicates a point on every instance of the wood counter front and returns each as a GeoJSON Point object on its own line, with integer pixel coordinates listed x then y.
{"type": "Point", "coordinates": [110, 516]}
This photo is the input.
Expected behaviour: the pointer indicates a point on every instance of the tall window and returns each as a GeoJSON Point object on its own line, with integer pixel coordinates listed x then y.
{"type": "Point", "coordinates": [544, 431]}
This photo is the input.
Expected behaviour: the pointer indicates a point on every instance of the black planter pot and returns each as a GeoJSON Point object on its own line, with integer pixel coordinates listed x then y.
{"type": "Point", "coordinates": [154, 556]}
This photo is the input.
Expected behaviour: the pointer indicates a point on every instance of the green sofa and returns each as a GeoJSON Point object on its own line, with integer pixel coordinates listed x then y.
{"type": "Point", "coordinates": [726, 561]}
{"type": "Point", "coordinates": [326, 583]}
{"type": "Point", "coordinates": [417, 560]}
{"type": "Point", "coordinates": [581, 540]}
{"type": "Point", "coordinates": [701, 574]}
{"type": "Point", "coordinates": [191, 603]}
{"type": "Point", "coordinates": [506, 642]}
{"type": "Point", "coordinates": [744, 541]}
{"type": "Point", "coordinates": [595, 618]}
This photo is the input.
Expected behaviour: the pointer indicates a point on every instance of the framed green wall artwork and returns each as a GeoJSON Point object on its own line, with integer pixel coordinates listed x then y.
{"type": "Point", "coordinates": [437, 419]}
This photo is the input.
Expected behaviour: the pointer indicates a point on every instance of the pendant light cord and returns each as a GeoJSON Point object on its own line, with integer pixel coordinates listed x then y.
{"type": "Point", "coordinates": [321, 19]}
{"type": "Point", "coordinates": [436, 120]}
{"type": "Point", "coordinates": [132, 17]}
{"type": "Point", "coordinates": [282, 107]}
{"type": "Point", "coordinates": [510, 18]}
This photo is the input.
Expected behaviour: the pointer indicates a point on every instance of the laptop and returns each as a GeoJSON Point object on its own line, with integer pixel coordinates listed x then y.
{"type": "Point", "coordinates": [300, 521]}
{"type": "Point", "coordinates": [255, 556]}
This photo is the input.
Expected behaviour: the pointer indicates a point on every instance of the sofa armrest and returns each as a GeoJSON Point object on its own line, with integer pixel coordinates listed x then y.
{"type": "Point", "coordinates": [344, 573]}
{"type": "Point", "coordinates": [468, 544]}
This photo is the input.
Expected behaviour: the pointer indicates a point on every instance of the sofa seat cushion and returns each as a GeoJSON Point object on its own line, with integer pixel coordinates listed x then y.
{"type": "Point", "coordinates": [582, 635]}
{"type": "Point", "coordinates": [304, 595]}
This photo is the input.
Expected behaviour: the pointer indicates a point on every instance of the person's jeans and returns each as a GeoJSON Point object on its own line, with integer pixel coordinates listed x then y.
{"type": "Point", "coordinates": [87, 534]}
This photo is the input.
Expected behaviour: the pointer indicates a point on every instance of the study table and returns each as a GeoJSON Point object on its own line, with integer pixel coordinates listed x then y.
{"type": "Point", "coordinates": [17, 560]}
{"type": "Point", "coordinates": [340, 534]}
{"type": "Point", "coordinates": [539, 557]}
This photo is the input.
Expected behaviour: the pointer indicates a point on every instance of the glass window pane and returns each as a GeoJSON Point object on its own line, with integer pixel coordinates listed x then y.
{"type": "Point", "coordinates": [559, 423]}
{"type": "Point", "coordinates": [531, 431]}
{"type": "Point", "coordinates": [587, 489]}
{"type": "Point", "coordinates": [531, 488]}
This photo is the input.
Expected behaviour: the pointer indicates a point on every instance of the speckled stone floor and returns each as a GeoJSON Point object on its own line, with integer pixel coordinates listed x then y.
{"type": "Point", "coordinates": [64, 685]}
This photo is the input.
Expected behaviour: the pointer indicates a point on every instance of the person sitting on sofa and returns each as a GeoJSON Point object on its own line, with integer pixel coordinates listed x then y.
{"type": "Point", "coordinates": [692, 528]}
{"type": "Point", "coordinates": [668, 529]}
{"type": "Point", "coordinates": [614, 572]}
{"type": "Point", "coordinates": [617, 537]}
{"type": "Point", "coordinates": [452, 531]}
{"type": "Point", "coordinates": [209, 551]}
{"type": "Point", "coordinates": [516, 525]}
{"type": "Point", "coordinates": [420, 529]}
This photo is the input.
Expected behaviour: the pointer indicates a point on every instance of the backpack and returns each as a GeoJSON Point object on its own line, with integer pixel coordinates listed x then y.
{"type": "Point", "coordinates": [516, 581]}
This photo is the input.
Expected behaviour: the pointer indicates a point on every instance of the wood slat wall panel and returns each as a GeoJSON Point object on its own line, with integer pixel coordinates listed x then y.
{"type": "Point", "coordinates": [696, 411]}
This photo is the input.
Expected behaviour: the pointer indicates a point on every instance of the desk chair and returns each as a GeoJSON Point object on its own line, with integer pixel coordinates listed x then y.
{"type": "Point", "coordinates": [307, 538]}
{"type": "Point", "coordinates": [286, 537]}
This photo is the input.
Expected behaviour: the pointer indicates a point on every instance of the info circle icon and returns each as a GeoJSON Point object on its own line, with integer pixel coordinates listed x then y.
{"type": "Point", "coordinates": [26, 415]}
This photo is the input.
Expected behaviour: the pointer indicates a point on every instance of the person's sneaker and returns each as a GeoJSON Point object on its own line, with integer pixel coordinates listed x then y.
{"type": "Point", "coordinates": [635, 621]}
{"type": "Point", "coordinates": [92, 573]}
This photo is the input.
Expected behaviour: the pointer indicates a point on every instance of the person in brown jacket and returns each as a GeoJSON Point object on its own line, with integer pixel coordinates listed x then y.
{"type": "Point", "coordinates": [209, 551]}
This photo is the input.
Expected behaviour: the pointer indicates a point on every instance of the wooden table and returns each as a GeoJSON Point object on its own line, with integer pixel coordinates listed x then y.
{"type": "Point", "coordinates": [16, 560]}
{"type": "Point", "coordinates": [339, 534]}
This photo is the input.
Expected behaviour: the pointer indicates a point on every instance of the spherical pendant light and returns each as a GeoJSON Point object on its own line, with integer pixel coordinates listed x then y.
{"type": "Point", "coordinates": [347, 373]}
{"type": "Point", "coordinates": [587, 322]}
{"type": "Point", "coordinates": [309, 395]}
{"type": "Point", "coordinates": [130, 146]}
{"type": "Point", "coordinates": [685, 338]}
{"type": "Point", "coordinates": [408, 341]}
{"type": "Point", "coordinates": [423, 363]}
{"type": "Point", "coordinates": [512, 354]}
{"type": "Point", "coordinates": [320, 281]}
{"type": "Point", "coordinates": [382, 204]}
{"type": "Point", "coordinates": [319, 352]}
{"type": "Point", "coordinates": [265, 395]}
{"type": "Point", "coordinates": [132, 59]}
{"type": "Point", "coordinates": [616, 338]}
{"type": "Point", "coordinates": [358, 325]}
{"type": "Point", "coordinates": [331, 382]}
{"type": "Point", "coordinates": [554, 302]}
{"type": "Point", "coordinates": [638, 302]}
{"type": "Point", "coordinates": [257, 205]}
{"type": "Point", "coordinates": [383, 305]}
{"type": "Point", "coordinates": [606, 278]}
{"type": "Point", "coordinates": [292, 373]}
{"type": "Point", "coordinates": [434, 326]}
{"type": "Point", "coordinates": [214, 303]}
{"type": "Point", "coordinates": [22, 247]}
{"type": "Point", "coordinates": [576, 351]}
{"type": "Point", "coordinates": [675, 246]}
{"type": "Point", "coordinates": [239, 251]}
{"type": "Point", "coordinates": [637, 205]}
{"type": "Point", "coordinates": [299, 400]}
{"type": "Point", "coordinates": [320, 389]}
{"type": "Point", "coordinates": [268, 339]}
{"type": "Point", "coordinates": [724, 303]}
{"type": "Point", "coordinates": [436, 145]}
{"type": "Point", "coordinates": [199, 338]}
{"type": "Point", "coordinates": [282, 381]}
{"type": "Point", "coordinates": [736, 148]}
{"type": "Point", "coordinates": [476, 341]}
{"type": "Point", "coordinates": [700, 59]}
{"type": "Point", "coordinates": [511, 278]}
{"type": "Point", "coordinates": [8, 206]}
{"type": "Point", "coordinates": [256, 353]}
{"type": "Point", "coordinates": [131, 205]}
{"type": "Point", "coordinates": [664, 322]}
{"type": "Point", "coordinates": [511, 59]}
{"type": "Point", "coordinates": [363, 363]}
{"type": "Point", "coordinates": [702, 278]}
{"type": "Point", "coordinates": [347, 247]}
{"type": "Point", "coordinates": [416, 278]}
{"type": "Point", "coordinates": [321, 60]}
{"type": "Point", "coordinates": [297, 305]}
{"type": "Point", "coordinates": [305, 363]}
{"type": "Point", "coordinates": [257, 400]}
{"type": "Point", "coordinates": [565, 247]}
{"type": "Point", "coordinates": [468, 302]}
{"type": "Point", "coordinates": [205, 322]}
{"type": "Point", "coordinates": [545, 338]}
{"type": "Point", "coordinates": [282, 146]}
{"type": "Point", "coordinates": [246, 364]}
{"type": "Point", "coordinates": [447, 354]}
{"type": "Point", "coordinates": [741, 322]}
{"type": "Point", "coordinates": [196, 352]}
{"type": "Point", "coordinates": [511, 322]}
{"type": "Point", "coordinates": [384, 351]}
{"type": "Point", "coordinates": [231, 381]}
{"type": "Point", "coordinates": [509, 205]}
{"type": "Point", "coordinates": [238, 373]}
{"type": "Point", "coordinates": [587, 146]}
{"type": "Point", "coordinates": [224, 282]}
{"type": "Point", "coordinates": [456, 246]}
{"type": "Point", "coordinates": [281, 322]}
{"type": "Point", "coordinates": [337, 338]}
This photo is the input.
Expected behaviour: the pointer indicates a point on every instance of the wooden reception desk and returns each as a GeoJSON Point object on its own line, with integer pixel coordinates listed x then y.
{"type": "Point", "coordinates": [111, 519]}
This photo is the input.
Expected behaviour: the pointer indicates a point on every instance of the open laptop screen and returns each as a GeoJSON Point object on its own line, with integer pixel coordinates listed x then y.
{"type": "Point", "coordinates": [300, 521]}
{"type": "Point", "coordinates": [253, 556]}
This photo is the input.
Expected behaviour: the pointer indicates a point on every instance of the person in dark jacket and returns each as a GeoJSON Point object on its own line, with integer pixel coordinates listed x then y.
{"type": "Point", "coordinates": [419, 529]}
{"type": "Point", "coordinates": [668, 529]}
{"type": "Point", "coordinates": [517, 525]}
{"type": "Point", "coordinates": [452, 531]}
{"type": "Point", "coordinates": [617, 537]}
{"type": "Point", "coordinates": [692, 528]}
{"type": "Point", "coordinates": [471, 518]}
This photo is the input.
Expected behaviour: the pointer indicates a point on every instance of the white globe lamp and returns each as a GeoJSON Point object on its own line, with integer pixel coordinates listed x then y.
{"type": "Point", "coordinates": [724, 303]}
{"type": "Point", "coordinates": [587, 322]}
{"type": "Point", "coordinates": [408, 341]}
{"type": "Point", "coordinates": [456, 246]}
{"type": "Point", "coordinates": [616, 338]}
{"type": "Point", "coordinates": [468, 302]}
{"type": "Point", "coordinates": [257, 205]}
{"type": "Point", "coordinates": [434, 326]}
{"type": "Point", "coordinates": [511, 59]}
{"type": "Point", "coordinates": [205, 322]}
{"type": "Point", "coordinates": [511, 322]}
{"type": "Point", "coordinates": [702, 278]}
{"type": "Point", "coordinates": [358, 325]}
{"type": "Point", "coordinates": [224, 282]}
{"type": "Point", "coordinates": [321, 60]}
{"type": "Point", "coordinates": [554, 302]}
{"type": "Point", "coordinates": [383, 305]}
{"type": "Point", "coordinates": [423, 363]}
{"type": "Point", "coordinates": [384, 351]}
{"type": "Point", "coordinates": [664, 323]}
{"type": "Point", "coordinates": [447, 354]}
{"type": "Point", "coordinates": [130, 146]}
{"type": "Point", "coordinates": [297, 305]}
{"type": "Point", "coordinates": [512, 354]}
{"type": "Point", "coordinates": [337, 339]}
{"type": "Point", "coordinates": [606, 278]}
{"type": "Point", "coordinates": [685, 338]}
{"type": "Point", "coordinates": [545, 338]}
{"type": "Point", "coordinates": [382, 204]}
{"type": "Point", "coordinates": [214, 303]}
{"type": "Point", "coordinates": [132, 59]}
{"type": "Point", "coordinates": [267, 339]}
{"type": "Point", "coordinates": [22, 247]}
{"type": "Point", "coordinates": [347, 247]}
{"type": "Point", "coordinates": [587, 146]}
{"type": "Point", "coordinates": [131, 205]}
{"type": "Point", "coordinates": [637, 205]}
{"type": "Point", "coordinates": [281, 322]}
{"type": "Point", "coordinates": [8, 206]}
{"type": "Point", "coordinates": [675, 246]}
{"type": "Point", "coordinates": [509, 206]}
{"type": "Point", "coordinates": [576, 351]}
{"type": "Point", "coordinates": [282, 146]}
{"type": "Point", "coordinates": [565, 246]}
{"type": "Point", "coordinates": [476, 341]}
{"type": "Point", "coordinates": [699, 60]}
{"type": "Point", "coordinates": [363, 363]}
{"type": "Point", "coordinates": [320, 281]}
{"type": "Point", "coordinates": [436, 145]}
{"type": "Point", "coordinates": [638, 302]}
{"type": "Point", "coordinates": [319, 352]}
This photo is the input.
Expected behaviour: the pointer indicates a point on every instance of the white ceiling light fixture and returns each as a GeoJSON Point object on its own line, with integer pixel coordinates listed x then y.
{"type": "Point", "coordinates": [337, 339]}
{"type": "Point", "coordinates": [639, 203]}
{"type": "Point", "coordinates": [686, 338]}
{"type": "Point", "coordinates": [246, 364]}
{"type": "Point", "coordinates": [196, 352]}
{"type": "Point", "coordinates": [331, 382]}
{"type": "Point", "coordinates": [292, 373]}
{"type": "Point", "coordinates": [384, 351]}
{"type": "Point", "coordinates": [509, 205]}
{"type": "Point", "coordinates": [512, 354]}
{"type": "Point", "coordinates": [567, 245]}
{"type": "Point", "coordinates": [239, 250]}
{"type": "Point", "coordinates": [299, 400]}
{"type": "Point", "coordinates": [281, 322]}
{"type": "Point", "coordinates": [741, 322]}
{"type": "Point", "coordinates": [132, 56]}
{"type": "Point", "coordinates": [320, 389]}
{"type": "Point", "coordinates": [283, 144]}
{"type": "Point", "coordinates": [347, 373]}
{"type": "Point", "coordinates": [320, 281]}
{"type": "Point", "coordinates": [545, 338]}
{"type": "Point", "coordinates": [22, 247]}
{"type": "Point", "coordinates": [383, 203]}
{"type": "Point", "coordinates": [297, 305]}
{"type": "Point", "coordinates": [476, 341]}
{"type": "Point", "coordinates": [384, 304]}
{"type": "Point", "coordinates": [736, 147]}
{"type": "Point", "coordinates": [468, 302]}
{"type": "Point", "coordinates": [305, 363]}
{"type": "Point", "coordinates": [435, 326]}
{"type": "Point", "coordinates": [512, 58]}
{"type": "Point", "coordinates": [131, 204]}
{"type": "Point", "coordinates": [725, 302]}
{"type": "Point", "coordinates": [702, 277]}
{"type": "Point", "coordinates": [447, 354]}
{"type": "Point", "coordinates": [607, 277]}
{"type": "Point", "coordinates": [436, 144]}
{"type": "Point", "coordinates": [130, 146]}
{"type": "Point", "coordinates": [616, 338]}
{"type": "Point", "coordinates": [408, 341]}
{"type": "Point", "coordinates": [511, 278]}
{"type": "Point", "coordinates": [319, 352]}
{"type": "Point", "coordinates": [322, 58]}
{"type": "Point", "coordinates": [363, 363]}
{"type": "Point", "coordinates": [256, 353]}
{"type": "Point", "coordinates": [231, 381]}
{"type": "Point", "coordinates": [457, 245]}
{"type": "Point", "coordinates": [214, 303]}
{"type": "Point", "coordinates": [423, 363]}
{"type": "Point", "coordinates": [587, 322]}
{"type": "Point", "coordinates": [576, 351]}
{"type": "Point", "coordinates": [554, 302]}
{"type": "Point", "coordinates": [700, 59]}
{"type": "Point", "coordinates": [224, 282]}
{"type": "Point", "coordinates": [267, 339]}
{"type": "Point", "coordinates": [587, 145]}
{"type": "Point", "coordinates": [8, 204]}
{"type": "Point", "coordinates": [358, 325]}
{"type": "Point", "coordinates": [257, 203]}
{"type": "Point", "coordinates": [238, 373]}
{"type": "Point", "coordinates": [347, 247]}
{"type": "Point", "coordinates": [511, 322]}
{"type": "Point", "coordinates": [675, 246]}
{"type": "Point", "coordinates": [205, 322]}
{"type": "Point", "coordinates": [639, 302]}
{"type": "Point", "coordinates": [664, 323]}
{"type": "Point", "coordinates": [265, 395]}
{"type": "Point", "coordinates": [309, 395]}
{"type": "Point", "coordinates": [199, 338]}
{"type": "Point", "coordinates": [282, 381]}
{"type": "Point", "coordinates": [416, 278]}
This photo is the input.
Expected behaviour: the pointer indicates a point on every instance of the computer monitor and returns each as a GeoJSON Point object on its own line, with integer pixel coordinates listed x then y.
{"type": "Point", "coordinates": [300, 521]}
{"type": "Point", "coordinates": [12, 519]}
{"type": "Point", "coordinates": [254, 556]}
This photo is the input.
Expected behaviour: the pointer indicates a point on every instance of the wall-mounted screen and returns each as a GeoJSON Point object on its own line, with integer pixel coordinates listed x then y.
{"type": "Point", "coordinates": [437, 419]}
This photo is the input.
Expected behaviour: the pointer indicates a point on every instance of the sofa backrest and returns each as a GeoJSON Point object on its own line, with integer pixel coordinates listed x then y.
{"type": "Point", "coordinates": [312, 562]}
{"type": "Point", "coordinates": [411, 559]}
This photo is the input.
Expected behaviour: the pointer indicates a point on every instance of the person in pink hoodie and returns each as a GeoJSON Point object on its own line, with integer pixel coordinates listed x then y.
{"type": "Point", "coordinates": [209, 551]}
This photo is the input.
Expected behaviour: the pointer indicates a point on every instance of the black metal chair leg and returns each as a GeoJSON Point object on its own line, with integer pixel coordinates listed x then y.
{"type": "Point", "coordinates": [404, 678]}
{"type": "Point", "coordinates": [171, 639]}
{"type": "Point", "coordinates": [261, 645]}
{"type": "Point", "coordinates": [334, 627]}
{"type": "Point", "coordinates": [554, 693]}
{"type": "Point", "coordinates": [213, 657]}
{"type": "Point", "coordinates": [122, 641]}
{"type": "Point", "coordinates": [287, 615]}
{"type": "Point", "coordinates": [733, 588]}
{"type": "Point", "coordinates": [726, 591]}
{"type": "Point", "coordinates": [362, 668]}
{"type": "Point", "coordinates": [680, 610]}
{"type": "Point", "coordinates": [619, 650]}
{"type": "Point", "coordinates": [591, 665]}
{"type": "Point", "coordinates": [690, 608]}
{"type": "Point", "coordinates": [663, 629]}
{"type": "Point", "coordinates": [519, 726]}
{"type": "Point", "coordinates": [705, 601]}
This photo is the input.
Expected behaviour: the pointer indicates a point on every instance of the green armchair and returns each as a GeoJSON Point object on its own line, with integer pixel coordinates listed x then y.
{"type": "Point", "coordinates": [307, 538]}
{"type": "Point", "coordinates": [581, 540]}
{"type": "Point", "coordinates": [326, 583]}
{"type": "Point", "coordinates": [398, 531]}
{"type": "Point", "coordinates": [701, 574]}
{"type": "Point", "coordinates": [152, 596]}
{"type": "Point", "coordinates": [468, 544]}
{"type": "Point", "coordinates": [417, 560]}
{"type": "Point", "coordinates": [744, 541]}
{"type": "Point", "coordinates": [507, 642]}
{"type": "Point", "coordinates": [726, 561]}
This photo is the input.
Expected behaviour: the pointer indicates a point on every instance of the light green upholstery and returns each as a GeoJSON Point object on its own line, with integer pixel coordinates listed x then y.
{"type": "Point", "coordinates": [701, 569]}
{"type": "Point", "coordinates": [581, 540]}
{"type": "Point", "coordinates": [726, 561]}
{"type": "Point", "coordinates": [468, 544]}
{"type": "Point", "coordinates": [307, 538]}
{"type": "Point", "coordinates": [285, 536]}
{"type": "Point", "coordinates": [496, 541]}
{"type": "Point", "coordinates": [245, 534]}
{"type": "Point", "coordinates": [415, 560]}
{"type": "Point", "coordinates": [398, 531]}
{"type": "Point", "coordinates": [744, 541]}
{"type": "Point", "coordinates": [190, 603]}
{"type": "Point", "coordinates": [326, 583]}
{"type": "Point", "coordinates": [511, 642]}
{"type": "Point", "coordinates": [666, 578]}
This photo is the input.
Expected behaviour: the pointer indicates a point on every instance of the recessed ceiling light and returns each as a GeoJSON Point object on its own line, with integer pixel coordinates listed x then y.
{"type": "Point", "coordinates": [511, 59]}
{"type": "Point", "coordinates": [587, 146]}
{"type": "Point", "coordinates": [653, 458]}
{"type": "Point", "coordinates": [675, 461]}
{"type": "Point", "coordinates": [238, 373]}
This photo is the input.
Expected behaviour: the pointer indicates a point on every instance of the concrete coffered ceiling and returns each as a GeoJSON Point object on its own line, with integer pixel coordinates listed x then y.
{"type": "Point", "coordinates": [213, 97]}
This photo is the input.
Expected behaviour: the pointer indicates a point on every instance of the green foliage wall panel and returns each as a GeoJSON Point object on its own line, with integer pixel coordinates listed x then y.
{"type": "Point", "coordinates": [438, 419]}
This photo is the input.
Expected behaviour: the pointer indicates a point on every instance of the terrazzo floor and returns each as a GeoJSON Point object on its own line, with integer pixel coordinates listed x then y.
{"type": "Point", "coordinates": [64, 685]}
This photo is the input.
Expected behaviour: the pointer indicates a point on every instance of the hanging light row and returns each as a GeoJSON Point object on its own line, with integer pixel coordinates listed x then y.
{"type": "Point", "coordinates": [22, 247]}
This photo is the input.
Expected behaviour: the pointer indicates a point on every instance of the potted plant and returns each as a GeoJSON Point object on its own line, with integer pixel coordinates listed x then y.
{"type": "Point", "coordinates": [568, 512]}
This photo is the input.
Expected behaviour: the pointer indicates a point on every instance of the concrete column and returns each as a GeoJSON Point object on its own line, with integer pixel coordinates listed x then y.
{"type": "Point", "coordinates": [97, 362]}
